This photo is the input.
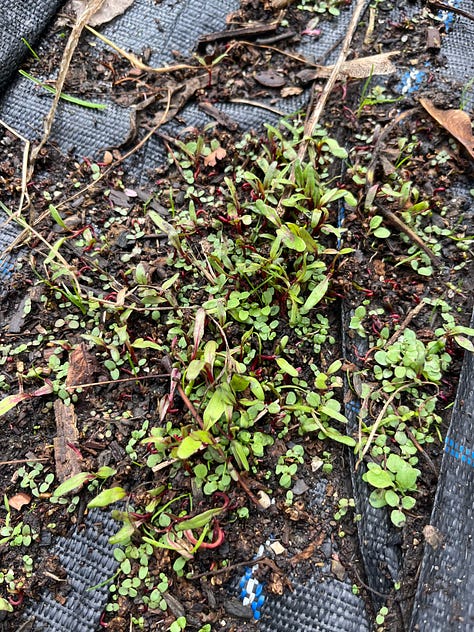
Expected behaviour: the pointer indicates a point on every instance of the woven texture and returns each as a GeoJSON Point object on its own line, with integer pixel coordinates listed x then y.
{"type": "Point", "coordinates": [445, 597]}
{"type": "Point", "coordinates": [87, 558]}
{"type": "Point", "coordinates": [21, 19]}
{"type": "Point", "coordinates": [8, 232]}
{"type": "Point", "coordinates": [319, 605]}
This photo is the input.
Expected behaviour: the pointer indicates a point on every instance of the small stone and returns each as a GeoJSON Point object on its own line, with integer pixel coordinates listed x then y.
{"type": "Point", "coordinates": [433, 536]}
{"type": "Point", "coordinates": [270, 79]}
{"type": "Point", "coordinates": [108, 158]}
{"type": "Point", "coordinates": [338, 570]}
{"type": "Point", "coordinates": [277, 548]}
{"type": "Point", "coordinates": [264, 500]}
{"type": "Point", "coordinates": [316, 463]}
{"type": "Point", "coordinates": [433, 38]}
{"type": "Point", "coordinates": [299, 487]}
{"type": "Point", "coordinates": [326, 548]}
{"type": "Point", "coordinates": [237, 609]}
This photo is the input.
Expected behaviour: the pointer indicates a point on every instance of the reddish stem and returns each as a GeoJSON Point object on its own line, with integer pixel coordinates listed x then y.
{"type": "Point", "coordinates": [218, 538]}
{"type": "Point", "coordinates": [18, 601]}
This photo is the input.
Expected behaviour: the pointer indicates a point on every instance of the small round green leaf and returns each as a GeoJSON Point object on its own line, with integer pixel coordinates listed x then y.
{"type": "Point", "coordinates": [398, 518]}
{"type": "Point", "coordinates": [382, 232]}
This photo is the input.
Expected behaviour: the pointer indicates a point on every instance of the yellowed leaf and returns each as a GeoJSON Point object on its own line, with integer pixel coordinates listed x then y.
{"type": "Point", "coordinates": [456, 122]}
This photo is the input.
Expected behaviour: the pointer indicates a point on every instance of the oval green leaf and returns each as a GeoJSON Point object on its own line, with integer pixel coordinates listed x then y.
{"type": "Point", "coordinates": [72, 483]}
{"type": "Point", "coordinates": [286, 367]}
{"type": "Point", "coordinates": [188, 447]}
{"type": "Point", "coordinates": [316, 296]}
{"type": "Point", "coordinates": [107, 497]}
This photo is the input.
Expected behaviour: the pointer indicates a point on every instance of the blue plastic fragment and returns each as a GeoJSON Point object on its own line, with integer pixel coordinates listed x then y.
{"type": "Point", "coordinates": [251, 591]}
{"type": "Point", "coordinates": [447, 17]}
{"type": "Point", "coordinates": [411, 81]}
{"type": "Point", "coordinates": [6, 268]}
{"type": "Point", "coordinates": [353, 406]}
{"type": "Point", "coordinates": [459, 451]}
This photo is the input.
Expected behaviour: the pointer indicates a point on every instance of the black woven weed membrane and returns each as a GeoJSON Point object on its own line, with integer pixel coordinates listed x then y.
{"type": "Point", "coordinates": [312, 553]}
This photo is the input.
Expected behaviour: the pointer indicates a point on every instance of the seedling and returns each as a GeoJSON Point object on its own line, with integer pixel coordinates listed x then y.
{"type": "Point", "coordinates": [287, 465]}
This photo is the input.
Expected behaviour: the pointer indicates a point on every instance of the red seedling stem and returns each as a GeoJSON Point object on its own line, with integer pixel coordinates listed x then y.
{"type": "Point", "coordinates": [218, 538]}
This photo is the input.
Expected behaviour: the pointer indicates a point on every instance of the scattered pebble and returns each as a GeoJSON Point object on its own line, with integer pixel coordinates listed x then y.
{"type": "Point", "coordinates": [299, 487]}
{"type": "Point", "coordinates": [264, 500]}
{"type": "Point", "coordinates": [338, 570]}
{"type": "Point", "coordinates": [277, 548]}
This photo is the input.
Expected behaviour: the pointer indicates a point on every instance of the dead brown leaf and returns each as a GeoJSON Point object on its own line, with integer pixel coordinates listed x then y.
{"type": "Point", "coordinates": [303, 555]}
{"type": "Point", "coordinates": [363, 67]}
{"type": "Point", "coordinates": [67, 459]}
{"type": "Point", "coordinates": [456, 122]}
{"type": "Point", "coordinates": [181, 94]}
{"type": "Point", "coordinates": [290, 91]}
{"type": "Point", "coordinates": [379, 267]}
{"type": "Point", "coordinates": [109, 10]}
{"type": "Point", "coordinates": [19, 500]}
{"type": "Point", "coordinates": [81, 366]}
{"type": "Point", "coordinates": [218, 154]}
{"type": "Point", "coordinates": [338, 569]}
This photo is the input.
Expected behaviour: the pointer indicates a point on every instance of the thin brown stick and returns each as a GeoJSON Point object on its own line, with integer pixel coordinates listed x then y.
{"type": "Point", "coordinates": [136, 62]}
{"type": "Point", "coordinates": [409, 317]}
{"type": "Point", "coordinates": [252, 30]}
{"type": "Point", "coordinates": [395, 221]}
{"type": "Point", "coordinates": [16, 461]}
{"type": "Point", "coordinates": [378, 421]}
{"type": "Point", "coordinates": [295, 56]}
{"type": "Point", "coordinates": [381, 143]}
{"type": "Point", "coordinates": [422, 451]}
{"type": "Point", "coordinates": [189, 405]}
{"type": "Point", "coordinates": [257, 104]}
{"type": "Point", "coordinates": [231, 567]}
{"type": "Point", "coordinates": [138, 378]}
{"type": "Point", "coordinates": [26, 151]}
